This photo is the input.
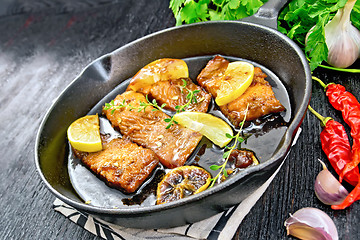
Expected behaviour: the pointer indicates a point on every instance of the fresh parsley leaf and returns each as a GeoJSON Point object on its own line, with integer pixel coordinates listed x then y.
{"type": "Point", "coordinates": [214, 15]}
{"type": "Point", "coordinates": [252, 5]}
{"type": "Point", "coordinates": [175, 6]}
{"type": "Point", "coordinates": [194, 12]}
{"type": "Point", "coordinates": [190, 11]}
{"type": "Point", "coordinates": [202, 11]}
{"type": "Point", "coordinates": [355, 15]}
{"type": "Point", "coordinates": [218, 3]}
{"type": "Point", "coordinates": [316, 46]}
{"type": "Point", "coordinates": [234, 4]}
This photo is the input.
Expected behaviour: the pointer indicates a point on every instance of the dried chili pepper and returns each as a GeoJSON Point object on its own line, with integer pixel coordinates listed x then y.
{"type": "Point", "coordinates": [353, 196]}
{"type": "Point", "coordinates": [349, 106]}
{"type": "Point", "coordinates": [335, 144]}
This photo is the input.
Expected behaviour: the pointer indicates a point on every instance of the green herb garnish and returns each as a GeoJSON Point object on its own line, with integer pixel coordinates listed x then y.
{"type": "Point", "coordinates": [190, 11]}
{"type": "Point", "coordinates": [191, 98]}
{"type": "Point", "coordinates": [238, 140]}
{"type": "Point", "coordinates": [117, 106]}
{"type": "Point", "coordinates": [142, 107]}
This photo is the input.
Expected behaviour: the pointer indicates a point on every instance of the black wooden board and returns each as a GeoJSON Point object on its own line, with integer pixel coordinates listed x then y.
{"type": "Point", "coordinates": [45, 44]}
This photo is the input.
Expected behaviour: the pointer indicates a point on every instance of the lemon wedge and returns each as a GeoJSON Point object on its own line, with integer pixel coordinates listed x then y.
{"type": "Point", "coordinates": [237, 78]}
{"type": "Point", "coordinates": [84, 134]}
{"type": "Point", "coordinates": [159, 70]}
{"type": "Point", "coordinates": [214, 128]}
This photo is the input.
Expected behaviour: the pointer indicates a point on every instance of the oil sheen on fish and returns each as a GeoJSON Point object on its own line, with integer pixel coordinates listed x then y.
{"type": "Point", "coordinates": [122, 163]}
{"type": "Point", "coordinates": [174, 93]}
{"type": "Point", "coordinates": [147, 128]}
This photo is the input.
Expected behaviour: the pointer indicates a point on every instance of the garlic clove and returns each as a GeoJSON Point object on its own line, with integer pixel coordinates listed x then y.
{"type": "Point", "coordinates": [328, 189]}
{"type": "Point", "coordinates": [311, 224]}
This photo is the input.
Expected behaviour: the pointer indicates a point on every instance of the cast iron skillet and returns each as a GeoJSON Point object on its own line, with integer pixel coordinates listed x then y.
{"type": "Point", "coordinates": [247, 40]}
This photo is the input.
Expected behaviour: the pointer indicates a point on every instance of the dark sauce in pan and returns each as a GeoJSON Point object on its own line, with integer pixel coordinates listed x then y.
{"type": "Point", "coordinates": [262, 137]}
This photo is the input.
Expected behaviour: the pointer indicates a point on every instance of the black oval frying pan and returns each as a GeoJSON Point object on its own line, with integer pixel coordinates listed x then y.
{"type": "Point", "coordinates": [247, 39]}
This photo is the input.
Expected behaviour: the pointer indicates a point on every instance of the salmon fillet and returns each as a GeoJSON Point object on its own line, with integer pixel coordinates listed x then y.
{"type": "Point", "coordinates": [211, 76]}
{"type": "Point", "coordinates": [173, 94]}
{"type": "Point", "coordinates": [147, 128]}
{"type": "Point", "coordinates": [122, 164]}
{"type": "Point", "coordinates": [259, 95]}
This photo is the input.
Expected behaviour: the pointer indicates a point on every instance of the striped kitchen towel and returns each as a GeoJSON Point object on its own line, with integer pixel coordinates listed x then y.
{"type": "Point", "coordinates": [220, 226]}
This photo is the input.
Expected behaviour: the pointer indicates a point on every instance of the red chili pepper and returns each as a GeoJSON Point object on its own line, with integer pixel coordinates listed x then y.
{"type": "Point", "coordinates": [336, 146]}
{"type": "Point", "coordinates": [349, 106]}
{"type": "Point", "coordinates": [353, 196]}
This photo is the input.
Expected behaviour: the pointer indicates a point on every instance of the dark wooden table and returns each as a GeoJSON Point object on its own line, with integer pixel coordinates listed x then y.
{"type": "Point", "coordinates": [44, 45]}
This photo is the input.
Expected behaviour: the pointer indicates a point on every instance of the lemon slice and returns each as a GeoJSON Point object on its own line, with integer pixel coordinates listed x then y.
{"type": "Point", "coordinates": [159, 70]}
{"type": "Point", "coordinates": [84, 134]}
{"type": "Point", "coordinates": [214, 128]}
{"type": "Point", "coordinates": [182, 182]}
{"type": "Point", "coordinates": [237, 78]}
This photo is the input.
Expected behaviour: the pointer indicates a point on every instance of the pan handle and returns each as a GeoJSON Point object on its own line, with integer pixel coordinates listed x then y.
{"type": "Point", "coordinates": [267, 14]}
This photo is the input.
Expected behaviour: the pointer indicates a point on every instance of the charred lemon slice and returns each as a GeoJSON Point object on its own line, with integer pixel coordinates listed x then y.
{"type": "Point", "coordinates": [159, 70]}
{"type": "Point", "coordinates": [84, 134]}
{"type": "Point", "coordinates": [181, 182]}
{"type": "Point", "coordinates": [214, 128]}
{"type": "Point", "coordinates": [237, 78]}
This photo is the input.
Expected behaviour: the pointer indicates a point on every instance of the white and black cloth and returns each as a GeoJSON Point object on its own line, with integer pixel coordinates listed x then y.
{"type": "Point", "coordinates": [220, 226]}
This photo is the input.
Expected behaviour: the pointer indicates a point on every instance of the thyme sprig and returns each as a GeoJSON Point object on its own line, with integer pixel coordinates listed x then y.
{"type": "Point", "coordinates": [142, 105]}
{"type": "Point", "coordinates": [191, 98]}
{"type": "Point", "coordinates": [156, 107]}
{"type": "Point", "coordinates": [115, 107]}
{"type": "Point", "coordinates": [238, 140]}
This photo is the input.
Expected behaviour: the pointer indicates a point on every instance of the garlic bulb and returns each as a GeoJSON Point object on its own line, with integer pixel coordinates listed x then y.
{"type": "Point", "coordinates": [342, 38]}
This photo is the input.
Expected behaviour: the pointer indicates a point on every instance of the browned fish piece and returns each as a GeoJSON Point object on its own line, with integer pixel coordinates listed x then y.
{"type": "Point", "coordinates": [147, 128]}
{"type": "Point", "coordinates": [211, 76]}
{"type": "Point", "coordinates": [173, 94]}
{"type": "Point", "coordinates": [259, 95]}
{"type": "Point", "coordinates": [122, 163]}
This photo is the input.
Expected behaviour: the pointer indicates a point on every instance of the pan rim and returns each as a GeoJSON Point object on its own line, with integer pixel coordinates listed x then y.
{"type": "Point", "coordinates": [278, 157]}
